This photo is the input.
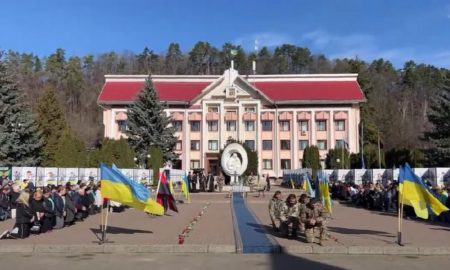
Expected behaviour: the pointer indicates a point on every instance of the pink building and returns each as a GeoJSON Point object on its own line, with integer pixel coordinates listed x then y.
{"type": "Point", "coordinates": [277, 115]}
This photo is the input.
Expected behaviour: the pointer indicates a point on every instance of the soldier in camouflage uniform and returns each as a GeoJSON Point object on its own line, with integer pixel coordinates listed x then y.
{"type": "Point", "coordinates": [303, 201]}
{"type": "Point", "coordinates": [274, 209]}
{"type": "Point", "coordinates": [314, 217]}
{"type": "Point", "coordinates": [289, 215]}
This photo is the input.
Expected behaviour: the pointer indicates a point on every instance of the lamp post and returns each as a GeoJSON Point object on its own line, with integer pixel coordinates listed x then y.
{"type": "Point", "coordinates": [148, 158]}
{"type": "Point", "coordinates": [135, 161]}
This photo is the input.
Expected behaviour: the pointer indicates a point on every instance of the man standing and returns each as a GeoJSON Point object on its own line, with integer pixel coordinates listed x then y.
{"type": "Point", "coordinates": [314, 216]}
{"type": "Point", "coordinates": [267, 182]}
{"type": "Point", "coordinates": [210, 182]}
{"type": "Point", "coordinates": [189, 178]}
{"type": "Point", "coordinates": [194, 182]}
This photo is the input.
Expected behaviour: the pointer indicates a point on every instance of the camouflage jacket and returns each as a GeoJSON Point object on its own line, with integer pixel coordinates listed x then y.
{"type": "Point", "coordinates": [307, 213]}
{"type": "Point", "coordinates": [274, 209]}
{"type": "Point", "coordinates": [287, 211]}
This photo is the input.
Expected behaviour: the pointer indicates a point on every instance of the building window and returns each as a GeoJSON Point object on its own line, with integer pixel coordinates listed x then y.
{"type": "Point", "coordinates": [302, 144]}
{"type": "Point", "coordinates": [267, 144]}
{"type": "Point", "coordinates": [179, 146]}
{"type": "Point", "coordinates": [249, 125]}
{"type": "Point", "coordinates": [285, 164]}
{"type": "Point", "coordinates": [213, 145]}
{"type": "Point", "coordinates": [195, 164]}
{"type": "Point", "coordinates": [195, 126]}
{"type": "Point", "coordinates": [231, 125]}
{"type": "Point", "coordinates": [250, 109]}
{"type": "Point", "coordinates": [321, 125]}
{"type": "Point", "coordinates": [285, 145]}
{"type": "Point", "coordinates": [250, 144]}
{"type": "Point", "coordinates": [340, 144]}
{"type": "Point", "coordinates": [122, 125]}
{"type": "Point", "coordinates": [213, 125]}
{"type": "Point", "coordinates": [303, 126]}
{"type": "Point", "coordinates": [339, 125]}
{"type": "Point", "coordinates": [178, 125]}
{"type": "Point", "coordinates": [267, 164]}
{"type": "Point", "coordinates": [267, 125]}
{"type": "Point", "coordinates": [284, 126]}
{"type": "Point", "coordinates": [213, 109]}
{"type": "Point", "coordinates": [322, 144]}
{"type": "Point", "coordinates": [195, 145]}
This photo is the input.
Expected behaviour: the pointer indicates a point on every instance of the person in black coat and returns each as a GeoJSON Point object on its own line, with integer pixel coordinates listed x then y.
{"type": "Point", "coordinates": [37, 207]}
{"type": "Point", "coordinates": [5, 203]}
{"type": "Point", "coordinates": [210, 182]}
{"type": "Point", "coordinates": [190, 181]}
{"type": "Point", "coordinates": [23, 219]}
{"type": "Point", "coordinates": [70, 206]}
{"type": "Point", "coordinates": [49, 211]}
{"type": "Point", "coordinates": [59, 207]}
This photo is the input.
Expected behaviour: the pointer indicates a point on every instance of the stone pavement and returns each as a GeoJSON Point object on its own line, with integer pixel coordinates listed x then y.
{"type": "Point", "coordinates": [353, 231]}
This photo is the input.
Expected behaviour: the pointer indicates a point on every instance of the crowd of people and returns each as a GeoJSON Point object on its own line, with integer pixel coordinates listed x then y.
{"type": "Point", "coordinates": [43, 209]}
{"type": "Point", "coordinates": [298, 215]}
{"type": "Point", "coordinates": [384, 197]}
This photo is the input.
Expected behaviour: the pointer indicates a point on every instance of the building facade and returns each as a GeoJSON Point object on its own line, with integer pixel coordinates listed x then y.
{"type": "Point", "coordinates": [276, 115]}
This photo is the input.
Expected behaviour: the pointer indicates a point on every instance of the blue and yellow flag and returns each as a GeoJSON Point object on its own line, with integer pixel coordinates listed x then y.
{"type": "Point", "coordinates": [306, 185]}
{"type": "Point", "coordinates": [119, 188]}
{"type": "Point", "coordinates": [415, 193]}
{"type": "Point", "coordinates": [323, 191]}
{"type": "Point", "coordinates": [185, 188]}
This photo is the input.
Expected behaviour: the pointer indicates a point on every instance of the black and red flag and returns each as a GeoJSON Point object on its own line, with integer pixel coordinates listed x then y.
{"type": "Point", "coordinates": [164, 196]}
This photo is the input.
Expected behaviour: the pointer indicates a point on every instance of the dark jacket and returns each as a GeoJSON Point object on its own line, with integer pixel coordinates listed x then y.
{"type": "Point", "coordinates": [37, 207]}
{"type": "Point", "coordinates": [24, 214]}
{"type": "Point", "coordinates": [59, 205]}
{"type": "Point", "coordinates": [4, 201]}
{"type": "Point", "coordinates": [13, 196]}
{"type": "Point", "coordinates": [49, 207]}
{"type": "Point", "coordinates": [70, 208]}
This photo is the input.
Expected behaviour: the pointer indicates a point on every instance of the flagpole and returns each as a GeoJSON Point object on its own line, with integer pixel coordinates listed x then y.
{"type": "Point", "coordinates": [400, 218]}
{"type": "Point", "coordinates": [159, 183]}
{"type": "Point", "coordinates": [102, 225]}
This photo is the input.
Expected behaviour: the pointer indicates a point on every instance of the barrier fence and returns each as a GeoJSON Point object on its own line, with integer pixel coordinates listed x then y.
{"type": "Point", "coordinates": [434, 176]}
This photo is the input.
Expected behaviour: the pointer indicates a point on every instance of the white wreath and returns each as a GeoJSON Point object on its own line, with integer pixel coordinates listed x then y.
{"type": "Point", "coordinates": [234, 148]}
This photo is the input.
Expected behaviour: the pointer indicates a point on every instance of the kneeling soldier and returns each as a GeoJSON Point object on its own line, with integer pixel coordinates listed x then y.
{"type": "Point", "coordinates": [314, 216]}
{"type": "Point", "coordinates": [274, 209]}
{"type": "Point", "coordinates": [289, 215]}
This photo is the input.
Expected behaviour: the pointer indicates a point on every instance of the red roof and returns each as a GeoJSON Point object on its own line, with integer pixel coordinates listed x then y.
{"type": "Point", "coordinates": [167, 91]}
{"type": "Point", "coordinates": [119, 91]}
{"type": "Point", "coordinates": [312, 90]}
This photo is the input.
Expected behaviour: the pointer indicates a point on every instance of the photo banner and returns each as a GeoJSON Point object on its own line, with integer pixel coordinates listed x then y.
{"type": "Point", "coordinates": [89, 174]}
{"type": "Point", "coordinates": [68, 175]}
{"type": "Point", "coordinates": [143, 176]}
{"type": "Point", "coordinates": [21, 173]}
{"type": "Point", "coordinates": [47, 176]}
{"type": "Point", "coordinates": [5, 172]}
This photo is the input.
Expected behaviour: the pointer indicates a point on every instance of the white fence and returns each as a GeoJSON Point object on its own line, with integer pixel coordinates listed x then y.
{"type": "Point", "coordinates": [436, 176]}
{"type": "Point", "coordinates": [42, 176]}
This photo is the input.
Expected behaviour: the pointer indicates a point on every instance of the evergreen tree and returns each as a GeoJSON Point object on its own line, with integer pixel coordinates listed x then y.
{"type": "Point", "coordinates": [311, 159]}
{"type": "Point", "coordinates": [118, 152]}
{"type": "Point", "coordinates": [71, 151]}
{"type": "Point", "coordinates": [439, 136]}
{"type": "Point", "coordinates": [20, 139]}
{"type": "Point", "coordinates": [155, 162]}
{"type": "Point", "coordinates": [335, 158]}
{"type": "Point", "coordinates": [149, 125]}
{"type": "Point", "coordinates": [51, 122]}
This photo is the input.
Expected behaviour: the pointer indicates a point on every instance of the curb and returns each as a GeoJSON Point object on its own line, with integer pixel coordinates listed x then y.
{"type": "Point", "coordinates": [93, 248]}
{"type": "Point", "coordinates": [230, 249]}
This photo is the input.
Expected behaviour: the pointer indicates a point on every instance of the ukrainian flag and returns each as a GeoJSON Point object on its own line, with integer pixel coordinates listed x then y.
{"type": "Point", "coordinates": [185, 187]}
{"type": "Point", "coordinates": [323, 188]}
{"type": "Point", "coordinates": [306, 185]}
{"type": "Point", "coordinates": [415, 193]}
{"type": "Point", "coordinates": [119, 188]}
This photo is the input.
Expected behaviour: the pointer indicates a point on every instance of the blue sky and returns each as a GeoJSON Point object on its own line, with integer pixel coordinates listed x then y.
{"type": "Point", "coordinates": [396, 30]}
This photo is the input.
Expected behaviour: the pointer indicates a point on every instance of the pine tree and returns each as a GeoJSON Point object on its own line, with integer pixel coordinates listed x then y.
{"type": "Point", "coordinates": [311, 159]}
{"type": "Point", "coordinates": [51, 122]}
{"type": "Point", "coordinates": [71, 151]}
{"type": "Point", "coordinates": [118, 152]}
{"type": "Point", "coordinates": [335, 158]}
{"type": "Point", "coordinates": [149, 125]}
{"type": "Point", "coordinates": [20, 139]}
{"type": "Point", "coordinates": [439, 137]}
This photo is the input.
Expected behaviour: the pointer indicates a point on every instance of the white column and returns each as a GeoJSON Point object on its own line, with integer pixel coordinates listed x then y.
{"type": "Point", "coordinates": [313, 128]}
{"type": "Point", "coordinates": [222, 126]}
{"type": "Point", "coordinates": [294, 144]}
{"type": "Point", "coordinates": [203, 140]}
{"type": "Point", "coordinates": [276, 145]}
{"type": "Point", "coordinates": [240, 123]}
{"type": "Point", "coordinates": [331, 130]}
{"type": "Point", "coordinates": [258, 141]}
{"type": "Point", "coordinates": [186, 142]}
{"type": "Point", "coordinates": [349, 132]}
